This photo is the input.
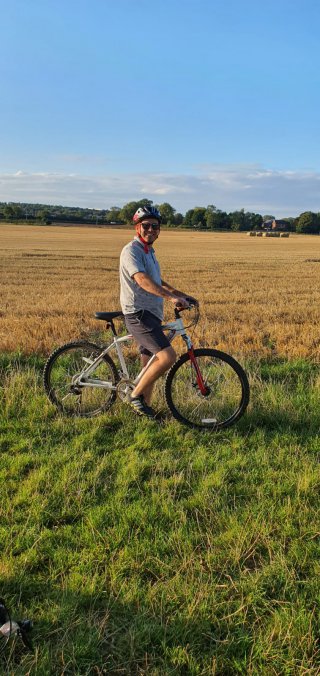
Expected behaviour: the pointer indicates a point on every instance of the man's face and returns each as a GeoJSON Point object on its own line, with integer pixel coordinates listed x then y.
{"type": "Point", "coordinates": [149, 229]}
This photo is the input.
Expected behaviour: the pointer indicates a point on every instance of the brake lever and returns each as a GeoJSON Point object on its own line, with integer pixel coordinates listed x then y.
{"type": "Point", "coordinates": [192, 303]}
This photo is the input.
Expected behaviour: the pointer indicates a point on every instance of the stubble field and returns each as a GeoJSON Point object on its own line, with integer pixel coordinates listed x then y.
{"type": "Point", "coordinates": [259, 297]}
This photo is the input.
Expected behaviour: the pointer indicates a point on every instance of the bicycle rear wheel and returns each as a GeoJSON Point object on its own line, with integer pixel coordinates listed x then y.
{"type": "Point", "coordinates": [60, 375]}
{"type": "Point", "coordinates": [227, 390]}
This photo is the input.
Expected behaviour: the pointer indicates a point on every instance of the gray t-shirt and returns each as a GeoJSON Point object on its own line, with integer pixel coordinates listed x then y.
{"type": "Point", "coordinates": [133, 298]}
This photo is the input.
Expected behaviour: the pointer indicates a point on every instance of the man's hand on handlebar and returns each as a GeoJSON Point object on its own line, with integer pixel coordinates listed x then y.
{"type": "Point", "coordinates": [192, 301]}
{"type": "Point", "coordinates": [179, 303]}
{"type": "Point", "coordinates": [184, 302]}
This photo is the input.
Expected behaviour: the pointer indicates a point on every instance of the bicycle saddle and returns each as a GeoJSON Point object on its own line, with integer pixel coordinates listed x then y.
{"type": "Point", "coordinates": [108, 316]}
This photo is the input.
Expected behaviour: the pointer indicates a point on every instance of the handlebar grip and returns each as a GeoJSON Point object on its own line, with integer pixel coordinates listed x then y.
{"type": "Point", "coordinates": [179, 307]}
{"type": "Point", "coordinates": [191, 302]}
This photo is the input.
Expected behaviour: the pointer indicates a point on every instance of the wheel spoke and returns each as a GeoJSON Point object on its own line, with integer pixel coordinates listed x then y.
{"type": "Point", "coordinates": [195, 408]}
{"type": "Point", "coordinates": [227, 390]}
{"type": "Point", "coordinates": [66, 396]}
{"type": "Point", "coordinates": [62, 371]}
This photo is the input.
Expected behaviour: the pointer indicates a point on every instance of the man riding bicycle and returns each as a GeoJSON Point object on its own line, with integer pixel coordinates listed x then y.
{"type": "Point", "coordinates": [142, 291]}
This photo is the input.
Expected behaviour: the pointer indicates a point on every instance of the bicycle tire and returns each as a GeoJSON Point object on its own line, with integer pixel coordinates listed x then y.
{"type": "Point", "coordinates": [216, 410]}
{"type": "Point", "coordinates": [59, 370]}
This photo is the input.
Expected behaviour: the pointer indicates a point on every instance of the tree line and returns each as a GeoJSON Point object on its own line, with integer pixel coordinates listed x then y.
{"type": "Point", "coordinates": [198, 218]}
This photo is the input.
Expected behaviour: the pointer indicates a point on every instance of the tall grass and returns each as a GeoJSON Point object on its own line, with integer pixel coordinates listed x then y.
{"type": "Point", "coordinates": [146, 548]}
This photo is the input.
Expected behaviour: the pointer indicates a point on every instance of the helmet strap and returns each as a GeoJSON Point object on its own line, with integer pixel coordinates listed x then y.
{"type": "Point", "coordinates": [145, 244]}
{"type": "Point", "coordinates": [142, 240]}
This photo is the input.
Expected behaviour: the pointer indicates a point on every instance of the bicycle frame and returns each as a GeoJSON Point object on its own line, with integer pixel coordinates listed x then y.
{"type": "Point", "coordinates": [175, 328]}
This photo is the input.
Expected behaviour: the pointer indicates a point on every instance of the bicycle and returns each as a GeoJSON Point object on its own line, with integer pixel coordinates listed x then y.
{"type": "Point", "coordinates": [205, 388]}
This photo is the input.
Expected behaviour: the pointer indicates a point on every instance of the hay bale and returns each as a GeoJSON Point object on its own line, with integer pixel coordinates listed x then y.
{"type": "Point", "coordinates": [251, 234]}
{"type": "Point", "coordinates": [284, 234]}
{"type": "Point", "coordinates": [259, 234]}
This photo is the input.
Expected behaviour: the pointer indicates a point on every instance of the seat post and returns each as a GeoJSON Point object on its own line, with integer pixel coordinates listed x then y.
{"type": "Point", "coordinates": [113, 328]}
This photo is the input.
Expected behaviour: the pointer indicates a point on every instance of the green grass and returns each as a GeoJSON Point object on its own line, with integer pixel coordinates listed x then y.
{"type": "Point", "coordinates": [146, 548]}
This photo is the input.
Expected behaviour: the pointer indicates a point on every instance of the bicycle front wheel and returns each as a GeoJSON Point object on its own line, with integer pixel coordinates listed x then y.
{"type": "Point", "coordinates": [227, 390]}
{"type": "Point", "coordinates": [60, 380]}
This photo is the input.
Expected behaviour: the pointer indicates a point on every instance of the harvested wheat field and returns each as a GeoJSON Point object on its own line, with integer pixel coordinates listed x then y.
{"type": "Point", "coordinates": [259, 297]}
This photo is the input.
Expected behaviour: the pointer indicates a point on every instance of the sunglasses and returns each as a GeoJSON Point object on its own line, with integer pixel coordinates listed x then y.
{"type": "Point", "coordinates": [154, 226]}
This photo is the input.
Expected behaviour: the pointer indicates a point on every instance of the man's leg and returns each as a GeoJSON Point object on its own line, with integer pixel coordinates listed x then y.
{"type": "Point", "coordinates": [147, 392]}
{"type": "Point", "coordinates": [164, 359]}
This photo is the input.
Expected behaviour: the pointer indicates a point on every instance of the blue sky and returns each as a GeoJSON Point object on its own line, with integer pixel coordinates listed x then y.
{"type": "Point", "coordinates": [193, 102]}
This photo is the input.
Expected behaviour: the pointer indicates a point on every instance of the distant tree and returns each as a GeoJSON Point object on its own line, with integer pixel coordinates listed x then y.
{"type": "Point", "coordinates": [210, 220]}
{"type": "Point", "coordinates": [210, 216]}
{"type": "Point", "coordinates": [308, 222]}
{"type": "Point", "coordinates": [267, 217]}
{"type": "Point", "coordinates": [44, 216]}
{"type": "Point", "coordinates": [238, 220]}
{"type": "Point", "coordinates": [128, 210]}
{"type": "Point", "coordinates": [253, 221]}
{"type": "Point", "coordinates": [187, 221]}
{"type": "Point", "coordinates": [198, 219]}
{"type": "Point", "coordinates": [13, 211]}
{"type": "Point", "coordinates": [113, 214]}
{"type": "Point", "coordinates": [178, 218]}
{"type": "Point", "coordinates": [245, 220]}
{"type": "Point", "coordinates": [7, 211]}
{"type": "Point", "coordinates": [216, 219]}
{"type": "Point", "coordinates": [167, 213]}
{"type": "Point", "coordinates": [291, 223]}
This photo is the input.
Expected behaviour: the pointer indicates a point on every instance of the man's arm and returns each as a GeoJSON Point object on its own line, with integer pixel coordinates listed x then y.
{"type": "Point", "coordinates": [168, 286]}
{"type": "Point", "coordinates": [164, 291]}
{"type": "Point", "coordinates": [178, 294]}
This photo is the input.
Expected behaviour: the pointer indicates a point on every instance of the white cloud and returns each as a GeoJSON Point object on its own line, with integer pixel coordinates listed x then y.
{"type": "Point", "coordinates": [229, 187]}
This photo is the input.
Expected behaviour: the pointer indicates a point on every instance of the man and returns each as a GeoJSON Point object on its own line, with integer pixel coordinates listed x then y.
{"type": "Point", "coordinates": [142, 291]}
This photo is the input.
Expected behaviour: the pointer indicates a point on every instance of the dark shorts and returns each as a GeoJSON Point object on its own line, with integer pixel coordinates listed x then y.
{"type": "Point", "coordinates": [147, 330]}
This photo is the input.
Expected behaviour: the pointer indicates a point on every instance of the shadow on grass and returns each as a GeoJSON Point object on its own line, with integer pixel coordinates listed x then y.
{"type": "Point", "coordinates": [279, 420]}
{"type": "Point", "coordinates": [285, 397]}
{"type": "Point", "coordinates": [83, 633]}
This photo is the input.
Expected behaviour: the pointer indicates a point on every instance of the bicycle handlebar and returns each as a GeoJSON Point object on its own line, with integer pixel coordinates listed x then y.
{"type": "Point", "coordinates": [192, 304]}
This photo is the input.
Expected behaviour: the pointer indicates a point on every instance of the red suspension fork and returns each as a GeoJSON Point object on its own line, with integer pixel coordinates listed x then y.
{"type": "Point", "coordinates": [203, 389]}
